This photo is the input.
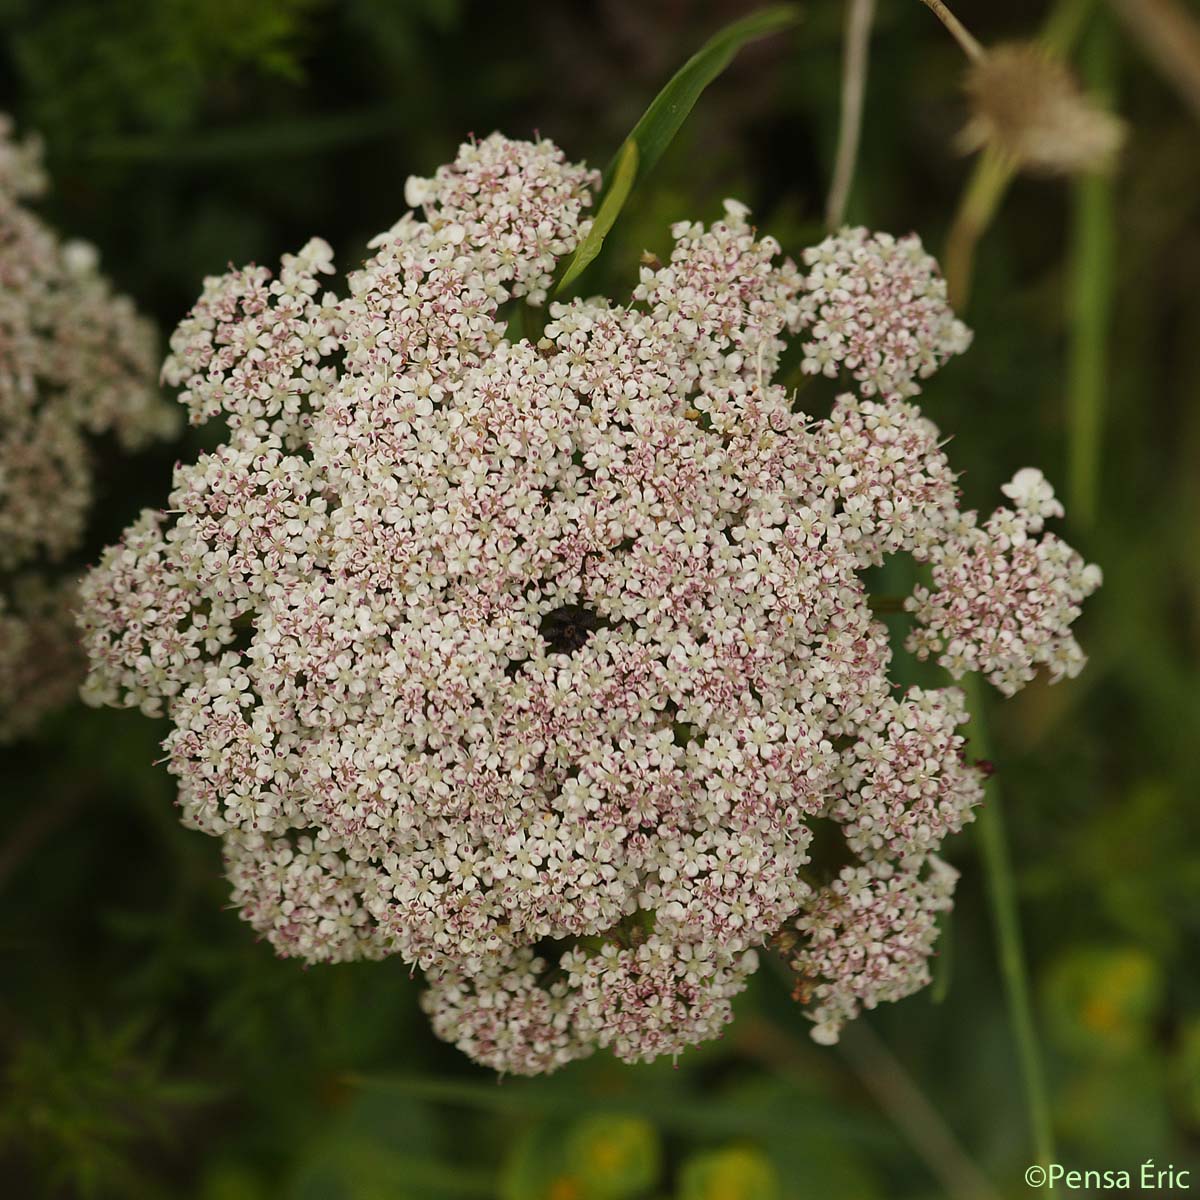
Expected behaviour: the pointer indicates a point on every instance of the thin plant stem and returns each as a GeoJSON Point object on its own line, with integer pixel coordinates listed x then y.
{"type": "Point", "coordinates": [1091, 292]}
{"type": "Point", "coordinates": [896, 1092]}
{"type": "Point", "coordinates": [860, 15]}
{"type": "Point", "coordinates": [985, 189]}
{"type": "Point", "coordinates": [1170, 37]}
{"type": "Point", "coordinates": [1006, 920]}
{"type": "Point", "coordinates": [1064, 26]}
{"type": "Point", "coordinates": [993, 171]}
{"type": "Point", "coordinates": [981, 200]}
{"type": "Point", "coordinates": [943, 968]}
{"type": "Point", "coordinates": [971, 48]}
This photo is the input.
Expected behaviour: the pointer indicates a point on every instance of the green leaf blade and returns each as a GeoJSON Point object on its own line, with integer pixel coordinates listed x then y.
{"type": "Point", "coordinates": [670, 108]}
{"type": "Point", "coordinates": [660, 122]}
{"type": "Point", "coordinates": [615, 196]}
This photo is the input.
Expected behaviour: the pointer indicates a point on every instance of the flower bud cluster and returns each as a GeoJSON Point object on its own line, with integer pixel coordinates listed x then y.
{"type": "Point", "coordinates": [547, 666]}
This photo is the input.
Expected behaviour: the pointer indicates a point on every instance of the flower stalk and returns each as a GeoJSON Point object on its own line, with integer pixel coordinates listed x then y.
{"type": "Point", "coordinates": [860, 15]}
{"type": "Point", "coordinates": [1091, 298]}
{"type": "Point", "coordinates": [970, 47]}
{"type": "Point", "coordinates": [1006, 921]}
{"type": "Point", "coordinates": [994, 170]}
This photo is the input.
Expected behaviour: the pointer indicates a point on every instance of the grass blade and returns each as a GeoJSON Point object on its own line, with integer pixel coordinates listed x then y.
{"type": "Point", "coordinates": [1094, 235]}
{"type": "Point", "coordinates": [662, 120]}
{"type": "Point", "coordinates": [1002, 894]}
{"type": "Point", "coordinates": [856, 48]}
{"type": "Point", "coordinates": [669, 109]}
{"type": "Point", "coordinates": [614, 200]}
{"type": "Point", "coordinates": [943, 967]}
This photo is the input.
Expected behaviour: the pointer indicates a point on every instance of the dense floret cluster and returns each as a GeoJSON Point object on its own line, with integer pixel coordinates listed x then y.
{"type": "Point", "coordinates": [75, 360]}
{"type": "Point", "coordinates": [1003, 601]}
{"type": "Point", "coordinates": [875, 306]}
{"type": "Point", "coordinates": [548, 665]}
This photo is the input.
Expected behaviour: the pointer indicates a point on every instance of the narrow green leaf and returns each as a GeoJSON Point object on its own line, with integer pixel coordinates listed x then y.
{"type": "Point", "coordinates": [1006, 920]}
{"type": "Point", "coordinates": [667, 112]}
{"type": "Point", "coordinates": [1093, 255]}
{"type": "Point", "coordinates": [669, 109]}
{"type": "Point", "coordinates": [614, 200]}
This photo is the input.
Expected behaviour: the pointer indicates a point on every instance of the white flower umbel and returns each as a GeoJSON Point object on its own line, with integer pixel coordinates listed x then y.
{"type": "Point", "coordinates": [75, 360]}
{"type": "Point", "coordinates": [876, 306]}
{"type": "Point", "coordinates": [1003, 600]}
{"type": "Point", "coordinates": [543, 665]}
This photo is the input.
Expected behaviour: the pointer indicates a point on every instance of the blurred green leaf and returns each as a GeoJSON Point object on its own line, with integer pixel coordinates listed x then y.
{"type": "Point", "coordinates": [708, 1116]}
{"type": "Point", "coordinates": [1103, 1001]}
{"type": "Point", "coordinates": [597, 1157]}
{"type": "Point", "coordinates": [266, 140]}
{"type": "Point", "coordinates": [228, 1181]}
{"type": "Point", "coordinates": [617, 1157]}
{"type": "Point", "coordinates": [83, 1104]}
{"type": "Point", "coordinates": [1185, 1071]}
{"type": "Point", "coordinates": [738, 1173]}
{"type": "Point", "coordinates": [360, 1169]}
{"type": "Point", "coordinates": [1104, 1105]}
{"type": "Point", "coordinates": [372, 1147]}
{"type": "Point", "coordinates": [95, 68]}
{"type": "Point", "coordinates": [535, 1169]}
{"type": "Point", "coordinates": [808, 1161]}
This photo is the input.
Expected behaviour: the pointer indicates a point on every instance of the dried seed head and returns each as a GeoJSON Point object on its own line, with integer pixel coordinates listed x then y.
{"type": "Point", "coordinates": [1032, 109]}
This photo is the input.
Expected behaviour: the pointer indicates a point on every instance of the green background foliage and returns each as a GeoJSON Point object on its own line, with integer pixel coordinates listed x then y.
{"type": "Point", "coordinates": [149, 1047]}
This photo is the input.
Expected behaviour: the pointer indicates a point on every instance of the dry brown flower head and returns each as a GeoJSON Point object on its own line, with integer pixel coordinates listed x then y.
{"type": "Point", "coordinates": [1031, 107]}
